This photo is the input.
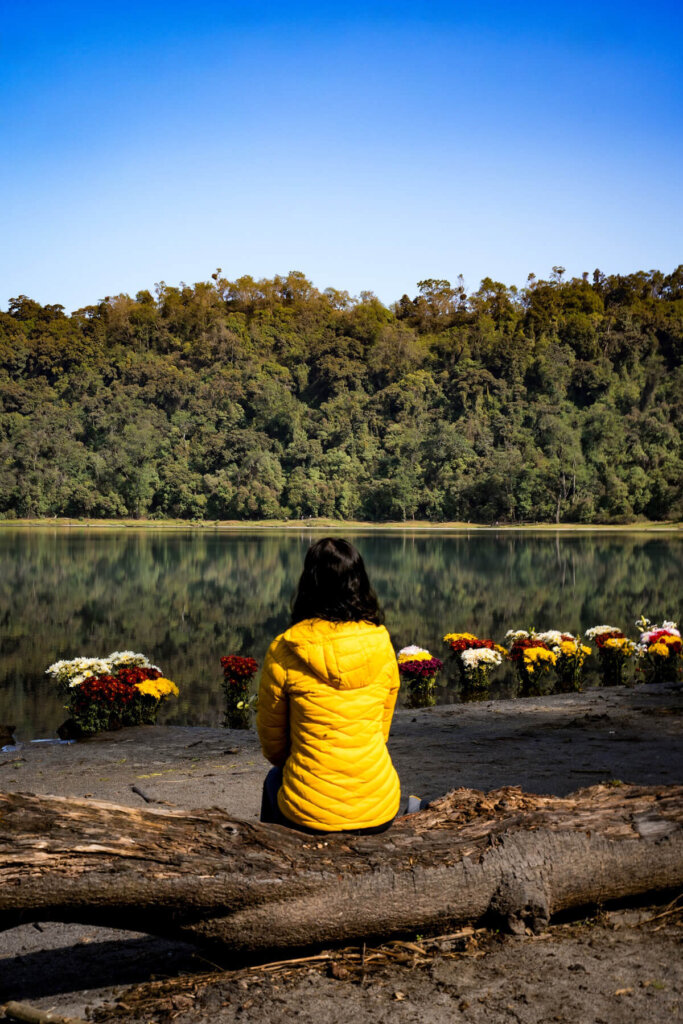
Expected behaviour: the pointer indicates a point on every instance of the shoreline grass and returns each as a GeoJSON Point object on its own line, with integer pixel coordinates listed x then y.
{"type": "Point", "coordinates": [410, 526]}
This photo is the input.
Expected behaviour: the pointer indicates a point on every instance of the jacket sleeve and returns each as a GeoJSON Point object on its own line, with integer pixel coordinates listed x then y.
{"type": "Point", "coordinates": [272, 717]}
{"type": "Point", "coordinates": [393, 685]}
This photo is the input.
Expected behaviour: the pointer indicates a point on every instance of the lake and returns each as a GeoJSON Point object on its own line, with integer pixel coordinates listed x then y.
{"type": "Point", "coordinates": [186, 597]}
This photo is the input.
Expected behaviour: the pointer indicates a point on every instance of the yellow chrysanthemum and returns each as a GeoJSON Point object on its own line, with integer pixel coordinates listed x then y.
{"type": "Point", "coordinates": [158, 688]}
{"type": "Point", "coordinates": [421, 656]}
{"type": "Point", "coordinates": [660, 649]}
{"type": "Point", "coordinates": [148, 688]}
{"type": "Point", "coordinates": [619, 643]}
{"type": "Point", "coordinates": [669, 640]}
{"type": "Point", "coordinates": [568, 648]}
{"type": "Point", "coordinates": [540, 654]}
{"type": "Point", "coordinates": [166, 686]}
{"type": "Point", "coordinates": [459, 636]}
{"type": "Point", "coordinates": [586, 650]}
{"type": "Point", "coordinates": [501, 650]}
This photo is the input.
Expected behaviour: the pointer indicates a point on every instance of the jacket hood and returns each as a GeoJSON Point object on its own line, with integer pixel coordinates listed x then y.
{"type": "Point", "coordinates": [347, 655]}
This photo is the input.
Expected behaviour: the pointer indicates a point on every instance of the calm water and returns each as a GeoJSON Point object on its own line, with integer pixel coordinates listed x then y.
{"type": "Point", "coordinates": [185, 598]}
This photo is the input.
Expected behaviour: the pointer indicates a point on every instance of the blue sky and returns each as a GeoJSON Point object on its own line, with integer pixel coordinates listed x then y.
{"type": "Point", "coordinates": [368, 145]}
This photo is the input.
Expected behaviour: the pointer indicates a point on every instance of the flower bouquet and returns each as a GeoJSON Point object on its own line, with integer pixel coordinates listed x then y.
{"type": "Point", "coordinates": [659, 650]}
{"type": "Point", "coordinates": [419, 668]}
{"type": "Point", "coordinates": [615, 650]}
{"type": "Point", "coordinates": [238, 673]}
{"type": "Point", "coordinates": [108, 693]}
{"type": "Point", "coordinates": [531, 654]}
{"type": "Point", "coordinates": [475, 658]}
{"type": "Point", "coordinates": [571, 655]}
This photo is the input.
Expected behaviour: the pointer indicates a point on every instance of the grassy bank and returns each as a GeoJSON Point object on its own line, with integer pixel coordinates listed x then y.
{"type": "Point", "coordinates": [328, 525]}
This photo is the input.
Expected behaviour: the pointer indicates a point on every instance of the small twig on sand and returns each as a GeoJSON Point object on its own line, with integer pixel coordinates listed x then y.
{"type": "Point", "coordinates": [150, 799]}
{"type": "Point", "coordinates": [147, 799]}
{"type": "Point", "coordinates": [672, 908]}
{"type": "Point", "coordinates": [289, 963]}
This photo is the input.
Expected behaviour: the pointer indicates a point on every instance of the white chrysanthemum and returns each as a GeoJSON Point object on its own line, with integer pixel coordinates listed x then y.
{"type": "Point", "coordinates": [77, 670]}
{"type": "Point", "coordinates": [413, 649]}
{"type": "Point", "coordinates": [551, 636]}
{"type": "Point", "coordinates": [516, 634]}
{"type": "Point", "coordinates": [472, 659]}
{"type": "Point", "coordinates": [128, 659]}
{"type": "Point", "coordinates": [599, 630]}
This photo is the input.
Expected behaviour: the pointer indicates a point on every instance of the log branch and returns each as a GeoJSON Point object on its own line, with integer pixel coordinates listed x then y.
{"type": "Point", "coordinates": [32, 1015]}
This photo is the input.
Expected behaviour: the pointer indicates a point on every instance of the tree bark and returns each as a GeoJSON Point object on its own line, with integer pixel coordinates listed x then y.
{"type": "Point", "coordinates": [510, 856]}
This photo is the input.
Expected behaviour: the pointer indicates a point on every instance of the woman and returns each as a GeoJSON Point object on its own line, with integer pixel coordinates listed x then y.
{"type": "Point", "coordinates": [327, 695]}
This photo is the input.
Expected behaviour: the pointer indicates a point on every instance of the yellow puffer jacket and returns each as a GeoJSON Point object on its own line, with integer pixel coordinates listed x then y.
{"type": "Point", "coordinates": [326, 698]}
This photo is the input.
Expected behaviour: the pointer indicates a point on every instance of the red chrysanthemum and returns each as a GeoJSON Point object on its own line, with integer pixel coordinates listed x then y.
{"type": "Point", "coordinates": [516, 652]}
{"type": "Point", "coordinates": [421, 669]}
{"type": "Point", "coordinates": [137, 674]}
{"type": "Point", "coordinates": [614, 634]}
{"type": "Point", "coordinates": [102, 690]}
{"type": "Point", "coordinates": [237, 669]}
{"type": "Point", "coordinates": [469, 645]}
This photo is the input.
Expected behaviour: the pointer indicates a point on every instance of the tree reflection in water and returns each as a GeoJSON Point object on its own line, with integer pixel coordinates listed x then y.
{"type": "Point", "coordinates": [187, 597]}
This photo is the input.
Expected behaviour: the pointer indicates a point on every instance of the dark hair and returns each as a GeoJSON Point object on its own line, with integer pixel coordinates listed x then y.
{"type": "Point", "coordinates": [335, 586]}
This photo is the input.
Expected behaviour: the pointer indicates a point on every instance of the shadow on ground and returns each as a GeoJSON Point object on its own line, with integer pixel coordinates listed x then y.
{"type": "Point", "coordinates": [35, 973]}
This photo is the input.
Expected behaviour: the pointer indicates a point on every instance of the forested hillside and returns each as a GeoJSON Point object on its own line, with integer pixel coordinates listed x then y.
{"type": "Point", "coordinates": [269, 399]}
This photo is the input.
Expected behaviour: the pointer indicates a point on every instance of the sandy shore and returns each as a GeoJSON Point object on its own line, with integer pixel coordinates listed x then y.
{"type": "Point", "coordinates": [553, 744]}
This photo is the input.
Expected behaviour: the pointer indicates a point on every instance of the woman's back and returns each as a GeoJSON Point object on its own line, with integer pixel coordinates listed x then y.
{"type": "Point", "coordinates": [328, 691]}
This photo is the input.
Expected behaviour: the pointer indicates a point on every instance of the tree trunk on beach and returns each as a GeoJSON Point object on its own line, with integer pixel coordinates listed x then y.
{"type": "Point", "coordinates": [506, 856]}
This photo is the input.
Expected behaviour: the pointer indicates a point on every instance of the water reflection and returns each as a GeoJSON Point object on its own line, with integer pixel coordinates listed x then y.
{"type": "Point", "coordinates": [186, 598]}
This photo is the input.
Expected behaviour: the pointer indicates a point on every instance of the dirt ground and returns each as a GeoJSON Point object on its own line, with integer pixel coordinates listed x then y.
{"type": "Point", "coordinates": [621, 965]}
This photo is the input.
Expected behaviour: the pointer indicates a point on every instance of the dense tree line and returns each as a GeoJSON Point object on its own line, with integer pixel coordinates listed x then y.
{"type": "Point", "coordinates": [269, 399]}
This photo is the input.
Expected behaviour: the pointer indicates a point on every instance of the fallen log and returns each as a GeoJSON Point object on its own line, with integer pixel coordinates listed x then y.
{"type": "Point", "coordinates": [508, 856]}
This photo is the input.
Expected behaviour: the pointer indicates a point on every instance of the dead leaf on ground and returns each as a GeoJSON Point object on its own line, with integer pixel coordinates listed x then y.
{"type": "Point", "coordinates": [338, 971]}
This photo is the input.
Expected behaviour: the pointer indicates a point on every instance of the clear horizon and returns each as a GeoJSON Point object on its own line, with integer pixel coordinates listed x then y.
{"type": "Point", "coordinates": [369, 146]}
